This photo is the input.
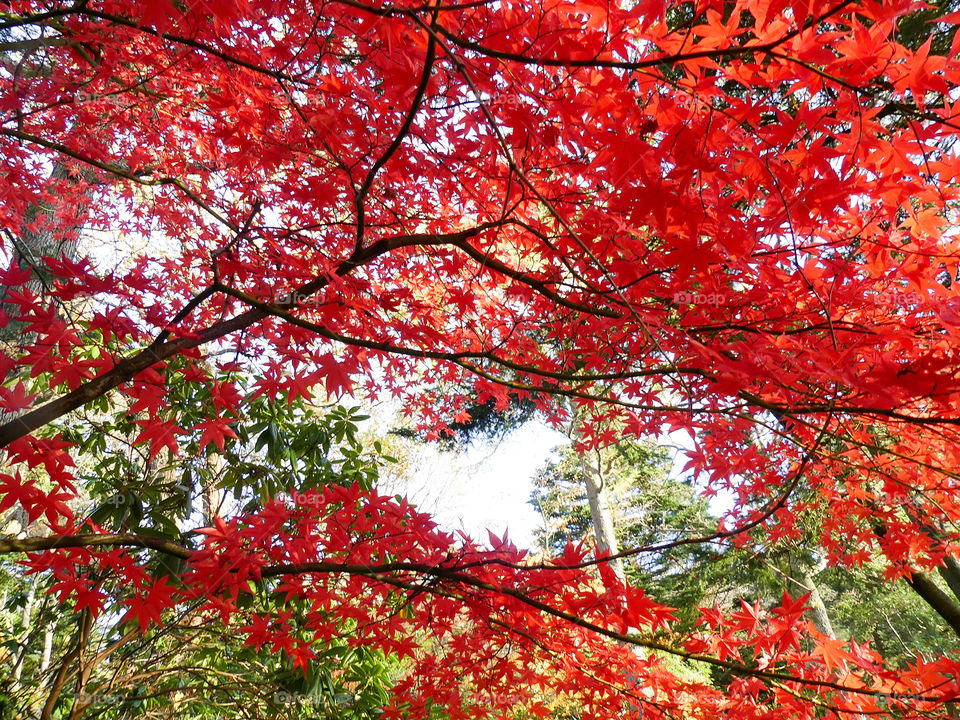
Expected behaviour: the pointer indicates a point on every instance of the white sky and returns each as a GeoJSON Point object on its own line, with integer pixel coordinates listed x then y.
{"type": "Point", "coordinates": [489, 486]}
{"type": "Point", "coordinates": [486, 487]}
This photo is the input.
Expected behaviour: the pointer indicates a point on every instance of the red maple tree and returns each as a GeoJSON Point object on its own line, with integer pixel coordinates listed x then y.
{"type": "Point", "coordinates": [729, 218]}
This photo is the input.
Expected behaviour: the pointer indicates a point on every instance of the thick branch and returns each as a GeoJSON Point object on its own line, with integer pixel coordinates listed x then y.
{"type": "Point", "coordinates": [39, 544]}
{"type": "Point", "coordinates": [387, 573]}
{"type": "Point", "coordinates": [162, 349]}
{"type": "Point", "coordinates": [937, 599]}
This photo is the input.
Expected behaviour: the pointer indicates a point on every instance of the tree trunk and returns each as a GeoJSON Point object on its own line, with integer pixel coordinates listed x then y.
{"type": "Point", "coordinates": [50, 239]}
{"type": "Point", "coordinates": [945, 606]}
{"type": "Point", "coordinates": [212, 496]}
{"type": "Point", "coordinates": [818, 611]}
{"type": "Point", "coordinates": [937, 599]}
{"type": "Point", "coordinates": [950, 572]}
{"type": "Point", "coordinates": [24, 641]}
{"type": "Point", "coordinates": [600, 515]}
{"type": "Point", "coordinates": [47, 648]}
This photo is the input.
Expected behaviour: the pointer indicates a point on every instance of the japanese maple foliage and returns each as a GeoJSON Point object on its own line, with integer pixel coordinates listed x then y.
{"type": "Point", "coordinates": [729, 218]}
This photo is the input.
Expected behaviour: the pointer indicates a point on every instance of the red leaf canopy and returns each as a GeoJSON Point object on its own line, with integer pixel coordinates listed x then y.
{"type": "Point", "coordinates": [732, 218]}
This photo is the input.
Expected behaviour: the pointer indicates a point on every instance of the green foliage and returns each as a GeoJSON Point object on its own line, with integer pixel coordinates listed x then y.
{"type": "Point", "coordinates": [193, 667]}
{"type": "Point", "coordinates": [650, 508]}
{"type": "Point", "coordinates": [892, 617]}
{"type": "Point", "coordinates": [481, 421]}
{"type": "Point", "coordinates": [918, 27]}
{"type": "Point", "coordinates": [276, 447]}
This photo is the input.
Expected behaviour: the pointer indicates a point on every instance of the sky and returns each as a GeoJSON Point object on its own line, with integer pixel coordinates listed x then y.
{"type": "Point", "coordinates": [485, 488]}
{"type": "Point", "coordinates": [488, 487]}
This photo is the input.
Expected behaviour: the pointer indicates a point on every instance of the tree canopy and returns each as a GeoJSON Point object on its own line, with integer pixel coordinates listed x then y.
{"type": "Point", "coordinates": [729, 218]}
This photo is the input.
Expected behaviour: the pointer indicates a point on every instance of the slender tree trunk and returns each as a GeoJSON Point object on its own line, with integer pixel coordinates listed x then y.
{"type": "Point", "coordinates": [600, 513]}
{"type": "Point", "coordinates": [47, 648]}
{"type": "Point", "coordinates": [818, 611]}
{"type": "Point", "coordinates": [945, 605]}
{"type": "Point", "coordinates": [212, 496]}
{"type": "Point", "coordinates": [950, 570]}
{"type": "Point", "coordinates": [598, 497]}
{"type": "Point", "coordinates": [24, 641]}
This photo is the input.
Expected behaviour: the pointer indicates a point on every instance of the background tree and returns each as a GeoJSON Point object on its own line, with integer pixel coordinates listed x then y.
{"type": "Point", "coordinates": [193, 668]}
{"type": "Point", "coordinates": [648, 508]}
{"type": "Point", "coordinates": [652, 509]}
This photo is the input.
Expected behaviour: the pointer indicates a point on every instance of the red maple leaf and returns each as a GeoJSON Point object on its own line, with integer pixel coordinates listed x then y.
{"type": "Point", "coordinates": [147, 608]}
